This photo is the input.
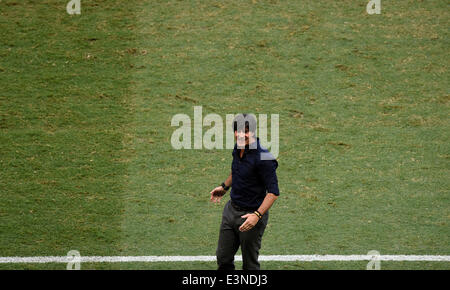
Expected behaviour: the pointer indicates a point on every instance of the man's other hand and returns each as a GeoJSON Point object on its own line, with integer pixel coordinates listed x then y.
{"type": "Point", "coordinates": [250, 222]}
{"type": "Point", "coordinates": [217, 194]}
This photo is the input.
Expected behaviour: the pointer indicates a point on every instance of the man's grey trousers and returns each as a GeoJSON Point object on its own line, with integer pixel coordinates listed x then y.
{"type": "Point", "coordinates": [230, 238]}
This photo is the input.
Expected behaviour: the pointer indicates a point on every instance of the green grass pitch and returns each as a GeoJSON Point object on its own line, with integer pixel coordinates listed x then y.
{"type": "Point", "coordinates": [86, 103]}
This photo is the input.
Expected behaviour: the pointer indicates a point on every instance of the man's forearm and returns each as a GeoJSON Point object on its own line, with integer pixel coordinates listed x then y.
{"type": "Point", "coordinates": [228, 181]}
{"type": "Point", "coordinates": [267, 203]}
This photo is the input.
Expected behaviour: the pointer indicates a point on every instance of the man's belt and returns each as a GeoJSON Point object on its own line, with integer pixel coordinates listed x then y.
{"type": "Point", "coordinates": [240, 208]}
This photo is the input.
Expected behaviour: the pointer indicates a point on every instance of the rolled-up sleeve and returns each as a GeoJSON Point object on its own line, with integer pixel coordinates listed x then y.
{"type": "Point", "coordinates": [267, 172]}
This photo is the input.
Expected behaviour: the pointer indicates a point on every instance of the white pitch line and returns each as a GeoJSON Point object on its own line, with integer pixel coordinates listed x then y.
{"type": "Point", "coordinates": [280, 258]}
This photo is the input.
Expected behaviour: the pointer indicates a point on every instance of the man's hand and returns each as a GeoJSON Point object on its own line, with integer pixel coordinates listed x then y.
{"type": "Point", "coordinates": [250, 222]}
{"type": "Point", "coordinates": [217, 194]}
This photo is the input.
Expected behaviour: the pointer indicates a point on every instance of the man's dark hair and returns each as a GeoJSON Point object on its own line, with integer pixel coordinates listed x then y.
{"type": "Point", "coordinates": [244, 122]}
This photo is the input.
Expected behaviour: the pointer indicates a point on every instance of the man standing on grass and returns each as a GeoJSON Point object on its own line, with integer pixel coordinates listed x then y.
{"type": "Point", "coordinates": [254, 188]}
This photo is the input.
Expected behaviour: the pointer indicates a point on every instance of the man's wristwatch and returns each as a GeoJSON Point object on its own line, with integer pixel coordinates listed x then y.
{"type": "Point", "coordinates": [224, 186]}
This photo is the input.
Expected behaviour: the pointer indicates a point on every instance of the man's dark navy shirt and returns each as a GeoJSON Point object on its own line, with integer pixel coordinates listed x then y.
{"type": "Point", "coordinates": [252, 177]}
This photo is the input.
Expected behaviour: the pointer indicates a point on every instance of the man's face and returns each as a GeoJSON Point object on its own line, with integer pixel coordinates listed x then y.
{"type": "Point", "coordinates": [243, 137]}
